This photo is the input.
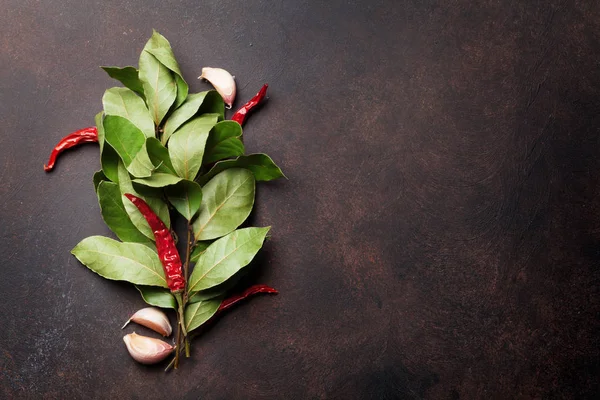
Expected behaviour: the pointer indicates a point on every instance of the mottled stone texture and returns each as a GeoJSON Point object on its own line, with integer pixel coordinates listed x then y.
{"type": "Point", "coordinates": [438, 237]}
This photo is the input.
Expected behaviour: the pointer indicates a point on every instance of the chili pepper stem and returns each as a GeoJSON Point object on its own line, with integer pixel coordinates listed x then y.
{"type": "Point", "coordinates": [187, 346]}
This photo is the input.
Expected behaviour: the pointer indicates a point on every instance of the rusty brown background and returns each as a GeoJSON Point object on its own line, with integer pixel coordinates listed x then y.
{"type": "Point", "coordinates": [438, 237]}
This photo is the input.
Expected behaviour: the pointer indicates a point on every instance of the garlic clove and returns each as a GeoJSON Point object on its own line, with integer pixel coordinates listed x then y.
{"type": "Point", "coordinates": [222, 81]}
{"type": "Point", "coordinates": [153, 318]}
{"type": "Point", "coordinates": [147, 350]}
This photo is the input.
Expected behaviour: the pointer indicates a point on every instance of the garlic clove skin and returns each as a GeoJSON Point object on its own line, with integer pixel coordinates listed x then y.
{"type": "Point", "coordinates": [153, 318]}
{"type": "Point", "coordinates": [147, 350]}
{"type": "Point", "coordinates": [222, 81]}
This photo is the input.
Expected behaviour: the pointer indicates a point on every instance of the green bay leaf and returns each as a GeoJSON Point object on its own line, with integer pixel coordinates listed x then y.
{"type": "Point", "coordinates": [141, 166]}
{"type": "Point", "coordinates": [109, 160]}
{"type": "Point", "coordinates": [223, 142]}
{"type": "Point", "coordinates": [159, 85]}
{"type": "Point", "coordinates": [160, 48]}
{"type": "Point", "coordinates": [225, 257]}
{"type": "Point", "coordinates": [198, 313]}
{"type": "Point", "coordinates": [217, 291]}
{"type": "Point", "coordinates": [213, 104]}
{"type": "Point", "coordinates": [124, 137]}
{"type": "Point", "coordinates": [228, 148]}
{"type": "Point", "coordinates": [158, 180]}
{"type": "Point", "coordinates": [181, 115]}
{"type": "Point", "coordinates": [131, 262]}
{"type": "Point", "coordinates": [128, 76]}
{"type": "Point", "coordinates": [186, 197]}
{"type": "Point", "coordinates": [159, 155]}
{"type": "Point", "coordinates": [99, 120]}
{"type": "Point", "coordinates": [199, 248]}
{"type": "Point", "coordinates": [261, 165]}
{"type": "Point", "coordinates": [186, 146]}
{"type": "Point", "coordinates": [99, 177]}
{"type": "Point", "coordinates": [208, 294]}
{"type": "Point", "coordinates": [156, 296]}
{"type": "Point", "coordinates": [227, 200]}
{"type": "Point", "coordinates": [115, 216]}
{"type": "Point", "coordinates": [125, 103]}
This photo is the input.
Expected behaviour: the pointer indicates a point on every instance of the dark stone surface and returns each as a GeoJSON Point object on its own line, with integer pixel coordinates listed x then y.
{"type": "Point", "coordinates": [439, 235]}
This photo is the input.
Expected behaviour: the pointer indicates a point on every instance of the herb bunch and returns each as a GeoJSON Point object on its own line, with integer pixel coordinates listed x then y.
{"type": "Point", "coordinates": [175, 151]}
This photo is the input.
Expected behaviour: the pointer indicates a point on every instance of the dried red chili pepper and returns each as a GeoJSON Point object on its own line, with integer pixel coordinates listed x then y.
{"type": "Point", "coordinates": [165, 245]}
{"type": "Point", "coordinates": [85, 135]}
{"type": "Point", "coordinates": [240, 115]}
{"type": "Point", "coordinates": [252, 290]}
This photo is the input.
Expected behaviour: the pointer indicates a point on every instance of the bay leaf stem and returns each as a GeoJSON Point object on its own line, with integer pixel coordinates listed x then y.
{"type": "Point", "coordinates": [177, 343]}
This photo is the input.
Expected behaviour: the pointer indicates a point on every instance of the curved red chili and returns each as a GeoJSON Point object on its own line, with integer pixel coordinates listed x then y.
{"type": "Point", "coordinates": [85, 135]}
{"type": "Point", "coordinates": [240, 115]}
{"type": "Point", "coordinates": [165, 245]}
{"type": "Point", "coordinates": [252, 290]}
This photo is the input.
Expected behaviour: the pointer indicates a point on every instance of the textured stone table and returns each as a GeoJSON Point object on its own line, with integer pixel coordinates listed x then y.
{"type": "Point", "coordinates": [438, 237]}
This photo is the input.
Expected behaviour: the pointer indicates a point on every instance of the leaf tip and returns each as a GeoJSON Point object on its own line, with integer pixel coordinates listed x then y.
{"type": "Point", "coordinates": [265, 231]}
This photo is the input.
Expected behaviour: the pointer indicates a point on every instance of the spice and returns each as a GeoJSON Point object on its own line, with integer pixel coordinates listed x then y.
{"type": "Point", "coordinates": [222, 81]}
{"type": "Point", "coordinates": [240, 115]}
{"type": "Point", "coordinates": [165, 245]}
{"type": "Point", "coordinates": [153, 318]}
{"type": "Point", "coordinates": [85, 135]}
{"type": "Point", "coordinates": [252, 290]}
{"type": "Point", "coordinates": [147, 350]}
